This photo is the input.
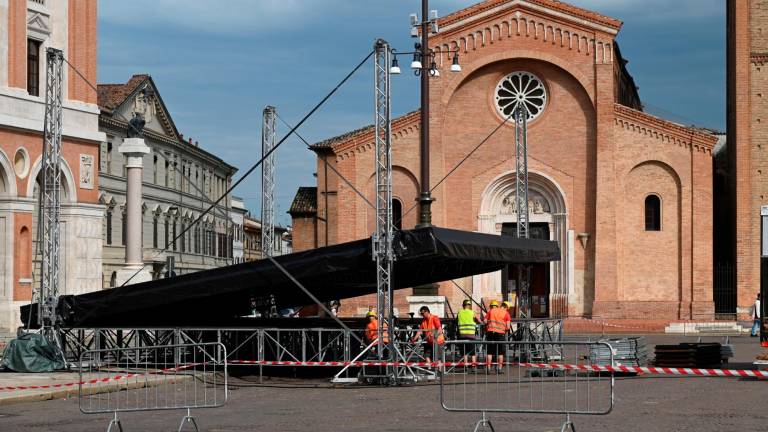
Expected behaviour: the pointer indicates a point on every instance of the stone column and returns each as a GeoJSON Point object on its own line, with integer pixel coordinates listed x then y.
{"type": "Point", "coordinates": [134, 270]}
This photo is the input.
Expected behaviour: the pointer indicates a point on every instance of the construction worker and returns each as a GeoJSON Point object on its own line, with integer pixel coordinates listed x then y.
{"type": "Point", "coordinates": [467, 326]}
{"type": "Point", "coordinates": [509, 308]}
{"type": "Point", "coordinates": [433, 333]}
{"type": "Point", "coordinates": [372, 329]}
{"type": "Point", "coordinates": [496, 326]}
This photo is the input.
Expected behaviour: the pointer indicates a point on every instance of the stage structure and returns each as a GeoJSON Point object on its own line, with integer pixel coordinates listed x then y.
{"type": "Point", "coordinates": [50, 199]}
{"type": "Point", "coordinates": [268, 170]}
{"type": "Point", "coordinates": [523, 212]}
{"type": "Point", "coordinates": [382, 237]}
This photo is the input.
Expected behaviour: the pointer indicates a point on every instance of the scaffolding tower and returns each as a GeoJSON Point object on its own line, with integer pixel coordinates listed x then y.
{"type": "Point", "coordinates": [268, 181]}
{"type": "Point", "coordinates": [523, 212]}
{"type": "Point", "coordinates": [382, 237]}
{"type": "Point", "coordinates": [49, 199]}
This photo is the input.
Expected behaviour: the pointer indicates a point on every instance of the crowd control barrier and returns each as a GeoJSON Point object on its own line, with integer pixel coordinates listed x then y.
{"type": "Point", "coordinates": [150, 378]}
{"type": "Point", "coordinates": [532, 378]}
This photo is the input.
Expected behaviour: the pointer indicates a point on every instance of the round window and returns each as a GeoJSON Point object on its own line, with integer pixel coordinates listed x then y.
{"type": "Point", "coordinates": [521, 87]}
{"type": "Point", "coordinates": [21, 162]}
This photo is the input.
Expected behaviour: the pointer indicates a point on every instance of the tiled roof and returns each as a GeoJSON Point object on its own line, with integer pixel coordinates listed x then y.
{"type": "Point", "coordinates": [112, 95]}
{"type": "Point", "coordinates": [305, 201]}
{"type": "Point", "coordinates": [396, 122]}
{"type": "Point", "coordinates": [552, 4]}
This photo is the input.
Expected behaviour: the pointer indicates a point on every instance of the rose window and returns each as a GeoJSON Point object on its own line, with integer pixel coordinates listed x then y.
{"type": "Point", "coordinates": [521, 87]}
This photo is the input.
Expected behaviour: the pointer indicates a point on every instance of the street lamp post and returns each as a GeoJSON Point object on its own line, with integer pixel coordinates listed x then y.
{"type": "Point", "coordinates": [425, 196]}
{"type": "Point", "coordinates": [424, 65]}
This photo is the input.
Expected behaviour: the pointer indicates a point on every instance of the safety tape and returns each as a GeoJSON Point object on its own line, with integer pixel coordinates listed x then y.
{"type": "Point", "coordinates": [651, 370]}
{"type": "Point", "coordinates": [579, 367]}
{"type": "Point", "coordinates": [99, 380]}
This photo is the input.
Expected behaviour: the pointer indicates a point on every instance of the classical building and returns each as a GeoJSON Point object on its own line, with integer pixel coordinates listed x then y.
{"type": "Point", "coordinates": [180, 181]}
{"type": "Point", "coordinates": [252, 250]}
{"type": "Point", "coordinates": [27, 29]}
{"type": "Point", "coordinates": [626, 194]}
{"type": "Point", "coordinates": [739, 231]}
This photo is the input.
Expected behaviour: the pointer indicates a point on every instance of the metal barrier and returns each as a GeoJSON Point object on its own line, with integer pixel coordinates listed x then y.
{"type": "Point", "coordinates": [532, 377]}
{"type": "Point", "coordinates": [149, 378]}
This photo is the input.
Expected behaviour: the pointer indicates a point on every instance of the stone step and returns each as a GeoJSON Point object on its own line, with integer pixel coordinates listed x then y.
{"type": "Point", "coordinates": [706, 328]}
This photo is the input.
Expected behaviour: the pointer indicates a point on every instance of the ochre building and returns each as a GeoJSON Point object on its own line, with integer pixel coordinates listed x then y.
{"type": "Point", "coordinates": [627, 195]}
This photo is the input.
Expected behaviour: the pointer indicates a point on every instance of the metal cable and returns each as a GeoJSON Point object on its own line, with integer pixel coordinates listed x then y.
{"type": "Point", "coordinates": [247, 173]}
{"type": "Point", "coordinates": [464, 159]}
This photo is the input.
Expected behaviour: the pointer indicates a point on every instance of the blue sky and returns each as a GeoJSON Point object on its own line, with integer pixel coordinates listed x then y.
{"type": "Point", "coordinates": [217, 64]}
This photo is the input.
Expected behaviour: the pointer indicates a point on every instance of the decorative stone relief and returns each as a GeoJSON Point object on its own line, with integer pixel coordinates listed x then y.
{"type": "Point", "coordinates": [536, 205]}
{"type": "Point", "coordinates": [38, 24]}
{"type": "Point", "coordinates": [86, 171]}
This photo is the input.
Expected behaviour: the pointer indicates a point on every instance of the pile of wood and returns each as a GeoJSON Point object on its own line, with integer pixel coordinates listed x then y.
{"type": "Point", "coordinates": [689, 355]}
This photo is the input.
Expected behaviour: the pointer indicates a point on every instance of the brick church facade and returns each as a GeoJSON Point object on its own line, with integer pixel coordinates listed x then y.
{"type": "Point", "coordinates": [627, 195]}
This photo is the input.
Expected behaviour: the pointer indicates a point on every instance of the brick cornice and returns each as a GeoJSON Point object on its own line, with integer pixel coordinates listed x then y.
{"type": "Point", "coordinates": [463, 14]}
{"type": "Point", "coordinates": [663, 129]}
{"type": "Point", "coordinates": [758, 58]}
{"type": "Point", "coordinates": [363, 139]}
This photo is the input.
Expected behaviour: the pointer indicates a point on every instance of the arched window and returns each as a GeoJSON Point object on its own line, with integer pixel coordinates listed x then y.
{"type": "Point", "coordinates": [109, 226]}
{"type": "Point", "coordinates": [652, 213]}
{"type": "Point", "coordinates": [397, 214]}
{"type": "Point", "coordinates": [25, 253]}
{"type": "Point", "coordinates": [154, 232]}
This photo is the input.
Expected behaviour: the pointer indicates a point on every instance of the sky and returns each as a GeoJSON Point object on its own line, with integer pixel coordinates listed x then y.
{"type": "Point", "coordinates": [217, 64]}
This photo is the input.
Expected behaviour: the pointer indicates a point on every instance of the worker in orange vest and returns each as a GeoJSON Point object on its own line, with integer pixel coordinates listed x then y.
{"type": "Point", "coordinates": [497, 323]}
{"type": "Point", "coordinates": [372, 329]}
{"type": "Point", "coordinates": [433, 333]}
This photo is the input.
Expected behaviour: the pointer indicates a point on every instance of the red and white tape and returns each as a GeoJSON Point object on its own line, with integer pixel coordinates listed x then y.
{"type": "Point", "coordinates": [99, 380]}
{"type": "Point", "coordinates": [578, 367]}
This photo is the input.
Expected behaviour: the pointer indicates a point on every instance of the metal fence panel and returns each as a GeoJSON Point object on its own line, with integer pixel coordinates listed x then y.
{"type": "Point", "coordinates": [534, 377]}
{"type": "Point", "coordinates": [160, 377]}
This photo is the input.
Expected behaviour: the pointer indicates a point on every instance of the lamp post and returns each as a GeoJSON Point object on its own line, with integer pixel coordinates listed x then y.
{"type": "Point", "coordinates": [424, 65]}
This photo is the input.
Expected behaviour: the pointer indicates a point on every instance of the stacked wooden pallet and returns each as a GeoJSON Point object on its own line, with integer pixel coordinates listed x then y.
{"type": "Point", "coordinates": [689, 355]}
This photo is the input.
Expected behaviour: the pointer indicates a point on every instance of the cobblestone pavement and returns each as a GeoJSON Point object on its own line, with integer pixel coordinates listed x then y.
{"type": "Point", "coordinates": [651, 404]}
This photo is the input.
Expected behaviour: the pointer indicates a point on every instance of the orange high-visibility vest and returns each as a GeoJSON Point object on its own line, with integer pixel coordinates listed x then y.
{"type": "Point", "coordinates": [372, 332]}
{"type": "Point", "coordinates": [433, 323]}
{"type": "Point", "coordinates": [497, 321]}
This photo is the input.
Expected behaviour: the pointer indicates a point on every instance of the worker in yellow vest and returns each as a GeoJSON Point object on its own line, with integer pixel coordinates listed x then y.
{"type": "Point", "coordinates": [467, 328]}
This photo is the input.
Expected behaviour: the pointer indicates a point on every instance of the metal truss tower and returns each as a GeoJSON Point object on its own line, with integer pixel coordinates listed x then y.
{"type": "Point", "coordinates": [382, 237]}
{"type": "Point", "coordinates": [268, 181]}
{"type": "Point", "coordinates": [50, 201]}
{"type": "Point", "coordinates": [521, 196]}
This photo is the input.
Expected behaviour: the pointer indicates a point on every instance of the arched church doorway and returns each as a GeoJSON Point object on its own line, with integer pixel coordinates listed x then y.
{"type": "Point", "coordinates": [550, 282]}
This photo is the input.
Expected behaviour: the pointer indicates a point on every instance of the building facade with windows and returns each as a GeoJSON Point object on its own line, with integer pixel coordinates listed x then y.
{"type": "Point", "coordinates": [627, 195]}
{"type": "Point", "coordinates": [27, 29]}
{"type": "Point", "coordinates": [180, 181]}
{"type": "Point", "coordinates": [252, 250]}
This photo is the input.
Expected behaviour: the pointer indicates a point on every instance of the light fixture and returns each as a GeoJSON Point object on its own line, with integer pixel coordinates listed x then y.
{"type": "Point", "coordinates": [433, 69]}
{"type": "Point", "coordinates": [416, 63]}
{"type": "Point", "coordinates": [455, 66]}
{"type": "Point", "coordinates": [395, 69]}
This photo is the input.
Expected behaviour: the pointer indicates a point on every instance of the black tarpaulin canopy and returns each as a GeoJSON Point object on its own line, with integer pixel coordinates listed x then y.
{"type": "Point", "coordinates": [217, 296]}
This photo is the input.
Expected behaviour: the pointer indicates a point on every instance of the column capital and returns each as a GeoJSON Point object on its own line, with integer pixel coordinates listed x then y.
{"type": "Point", "coordinates": [135, 149]}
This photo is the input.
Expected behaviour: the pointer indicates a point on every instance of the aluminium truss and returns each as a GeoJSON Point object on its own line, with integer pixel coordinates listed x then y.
{"type": "Point", "coordinates": [49, 201]}
{"type": "Point", "coordinates": [523, 212]}
{"type": "Point", "coordinates": [268, 181]}
{"type": "Point", "coordinates": [382, 237]}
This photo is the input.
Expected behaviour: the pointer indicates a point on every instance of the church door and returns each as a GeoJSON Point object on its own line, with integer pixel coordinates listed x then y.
{"type": "Point", "coordinates": [539, 290]}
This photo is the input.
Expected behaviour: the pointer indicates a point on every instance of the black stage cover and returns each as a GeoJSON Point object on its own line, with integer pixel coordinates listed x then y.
{"type": "Point", "coordinates": [218, 296]}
